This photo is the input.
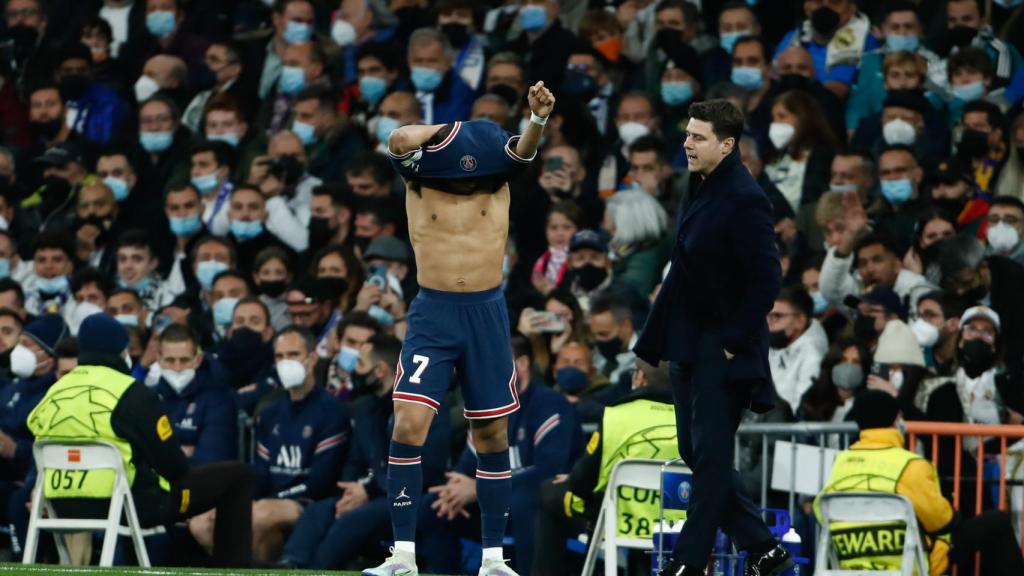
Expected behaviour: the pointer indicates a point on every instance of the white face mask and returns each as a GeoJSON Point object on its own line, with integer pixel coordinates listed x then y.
{"type": "Point", "coordinates": [899, 131]}
{"type": "Point", "coordinates": [145, 88]}
{"type": "Point", "coordinates": [1002, 237]}
{"type": "Point", "coordinates": [23, 361]}
{"type": "Point", "coordinates": [896, 379]}
{"type": "Point", "coordinates": [843, 188]}
{"type": "Point", "coordinates": [292, 373]}
{"type": "Point", "coordinates": [925, 332]}
{"type": "Point", "coordinates": [178, 380]}
{"type": "Point", "coordinates": [128, 360]}
{"type": "Point", "coordinates": [632, 131]}
{"type": "Point", "coordinates": [343, 33]}
{"type": "Point", "coordinates": [781, 133]}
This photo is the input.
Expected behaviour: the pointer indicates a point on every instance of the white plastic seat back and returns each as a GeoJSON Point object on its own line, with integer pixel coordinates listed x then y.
{"type": "Point", "coordinates": [869, 507]}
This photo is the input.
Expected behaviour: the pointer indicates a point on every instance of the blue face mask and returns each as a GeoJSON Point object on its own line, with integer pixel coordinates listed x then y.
{"type": "Point", "coordinates": [385, 126]}
{"type": "Point", "coordinates": [820, 304]}
{"type": "Point", "coordinates": [347, 359]}
{"type": "Point", "coordinates": [533, 18]}
{"type": "Point", "coordinates": [676, 93]}
{"type": "Point", "coordinates": [728, 40]}
{"type": "Point", "coordinates": [206, 183]}
{"type": "Point", "coordinates": [228, 137]}
{"type": "Point", "coordinates": [571, 380]}
{"type": "Point", "coordinates": [185, 227]}
{"type": "Point", "coordinates": [305, 132]}
{"type": "Point", "coordinates": [138, 287]}
{"type": "Point", "coordinates": [161, 23]}
{"type": "Point", "coordinates": [156, 142]}
{"type": "Point", "coordinates": [297, 32]}
{"type": "Point", "coordinates": [901, 43]}
{"type": "Point", "coordinates": [293, 79]}
{"type": "Point", "coordinates": [897, 191]}
{"type": "Point", "coordinates": [206, 271]}
{"type": "Point", "coordinates": [381, 315]}
{"type": "Point", "coordinates": [223, 309]}
{"type": "Point", "coordinates": [426, 79]}
{"type": "Point", "coordinates": [747, 78]}
{"type": "Point", "coordinates": [372, 88]}
{"type": "Point", "coordinates": [127, 319]}
{"type": "Point", "coordinates": [969, 92]}
{"type": "Point", "coordinates": [246, 230]}
{"type": "Point", "coordinates": [118, 187]}
{"type": "Point", "coordinates": [5, 268]}
{"type": "Point", "coordinates": [58, 285]}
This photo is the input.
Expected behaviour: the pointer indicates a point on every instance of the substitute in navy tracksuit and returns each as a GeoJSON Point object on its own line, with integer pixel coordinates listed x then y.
{"type": "Point", "coordinates": [300, 446]}
{"type": "Point", "coordinates": [203, 415]}
{"type": "Point", "coordinates": [544, 440]}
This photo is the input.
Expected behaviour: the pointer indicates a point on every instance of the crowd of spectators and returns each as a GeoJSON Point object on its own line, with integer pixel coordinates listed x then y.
{"type": "Point", "coordinates": [214, 174]}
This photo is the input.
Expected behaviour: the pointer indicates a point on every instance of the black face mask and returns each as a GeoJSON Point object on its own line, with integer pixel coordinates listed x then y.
{"type": "Point", "coordinates": [580, 85]}
{"type": "Point", "coordinates": [73, 86]}
{"type": "Point", "coordinates": [778, 339]}
{"type": "Point", "coordinates": [961, 36]}
{"type": "Point", "coordinates": [610, 348]}
{"type": "Point", "coordinates": [795, 82]}
{"type": "Point", "coordinates": [361, 242]}
{"type": "Point", "coordinates": [974, 295]}
{"type": "Point", "coordinates": [864, 328]}
{"type": "Point", "coordinates": [48, 130]}
{"type": "Point", "coordinates": [590, 276]}
{"type": "Point", "coordinates": [319, 232]}
{"type": "Point", "coordinates": [825, 21]}
{"type": "Point", "coordinates": [332, 288]}
{"type": "Point", "coordinates": [973, 144]}
{"type": "Point", "coordinates": [359, 381]}
{"type": "Point", "coordinates": [667, 39]}
{"type": "Point", "coordinates": [56, 188]}
{"type": "Point", "coordinates": [5, 360]}
{"type": "Point", "coordinates": [272, 289]}
{"type": "Point", "coordinates": [951, 206]}
{"type": "Point", "coordinates": [457, 33]}
{"type": "Point", "coordinates": [931, 253]}
{"type": "Point", "coordinates": [1020, 155]}
{"type": "Point", "coordinates": [507, 93]}
{"type": "Point", "coordinates": [977, 357]}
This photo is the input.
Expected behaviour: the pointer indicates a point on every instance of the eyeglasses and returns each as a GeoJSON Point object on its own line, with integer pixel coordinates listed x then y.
{"type": "Point", "coordinates": [984, 335]}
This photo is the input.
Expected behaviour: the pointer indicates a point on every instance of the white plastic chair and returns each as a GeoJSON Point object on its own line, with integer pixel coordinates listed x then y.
{"type": "Point", "coordinates": [93, 455]}
{"type": "Point", "coordinates": [869, 507]}
{"type": "Point", "coordinates": [637, 473]}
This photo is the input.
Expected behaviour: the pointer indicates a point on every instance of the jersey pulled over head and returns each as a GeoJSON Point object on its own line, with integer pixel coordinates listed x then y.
{"type": "Point", "coordinates": [462, 158]}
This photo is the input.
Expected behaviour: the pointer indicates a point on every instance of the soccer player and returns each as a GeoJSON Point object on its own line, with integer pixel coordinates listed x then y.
{"type": "Point", "coordinates": [456, 176]}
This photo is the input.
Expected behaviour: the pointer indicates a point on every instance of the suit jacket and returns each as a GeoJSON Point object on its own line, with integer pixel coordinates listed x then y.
{"type": "Point", "coordinates": [724, 278]}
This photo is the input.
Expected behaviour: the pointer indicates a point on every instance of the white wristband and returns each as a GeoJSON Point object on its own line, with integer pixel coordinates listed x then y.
{"type": "Point", "coordinates": [538, 120]}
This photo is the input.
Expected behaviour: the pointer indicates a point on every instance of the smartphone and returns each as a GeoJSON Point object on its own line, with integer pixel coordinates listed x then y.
{"type": "Point", "coordinates": [548, 322]}
{"type": "Point", "coordinates": [161, 323]}
{"type": "Point", "coordinates": [552, 163]}
{"type": "Point", "coordinates": [377, 274]}
{"type": "Point", "coordinates": [880, 370]}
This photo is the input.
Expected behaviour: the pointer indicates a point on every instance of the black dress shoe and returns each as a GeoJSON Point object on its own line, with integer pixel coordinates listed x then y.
{"type": "Point", "coordinates": [773, 562]}
{"type": "Point", "coordinates": [675, 568]}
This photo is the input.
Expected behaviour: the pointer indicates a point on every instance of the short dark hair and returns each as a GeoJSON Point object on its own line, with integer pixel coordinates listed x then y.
{"type": "Point", "coordinates": [222, 152]}
{"type": "Point", "coordinates": [650, 143]}
{"type": "Point", "coordinates": [725, 119]}
{"type": "Point", "coordinates": [993, 115]}
{"type": "Point", "coordinates": [232, 274]}
{"type": "Point", "coordinates": [386, 349]}
{"type": "Point", "coordinates": [137, 238]}
{"type": "Point", "coordinates": [325, 96]}
{"type": "Point", "coordinates": [389, 56]}
{"type": "Point", "coordinates": [135, 295]}
{"type": "Point", "coordinates": [179, 333]}
{"type": "Point", "coordinates": [254, 300]}
{"type": "Point", "coordinates": [280, 5]}
{"type": "Point", "coordinates": [381, 210]}
{"type": "Point", "coordinates": [973, 58]}
{"type": "Point", "coordinates": [894, 6]}
{"type": "Point", "coordinates": [874, 239]}
{"type": "Point", "coordinates": [1011, 201]}
{"type": "Point", "coordinates": [952, 307]}
{"type": "Point", "coordinates": [307, 336]}
{"type": "Point", "coordinates": [359, 319]}
{"type": "Point", "coordinates": [377, 164]}
{"type": "Point", "coordinates": [57, 239]}
{"type": "Point", "coordinates": [799, 299]}
{"type": "Point", "coordinates": [340, 193]}
{"type": "Point", "coordinates": [521, 347]}
{"type": "Point", "coordinates": [90, 275]}
{"type": "Point", "coordinates": [67, 347]}
{"type": "Point", "coordinates": [765, 53]}
{"type": "Point", "coordinates": [610, 301]}
{"type": "Point", "coordinates": [899, 148]}
{"type": "Point", "coordinates": [232, 253]}
{"type": "Point", "coordinates": [9, 285]}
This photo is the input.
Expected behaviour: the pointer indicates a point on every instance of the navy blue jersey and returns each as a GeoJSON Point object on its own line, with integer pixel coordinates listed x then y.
{"type": "Point", "coordinates": [300, 446]}
{"type": "Point", "coordinates": [203, 416]}
{"type": "Point", "coordinates": [17, 399]}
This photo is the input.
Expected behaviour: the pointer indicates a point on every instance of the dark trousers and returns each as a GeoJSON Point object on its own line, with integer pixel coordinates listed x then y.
{"type": "Point", "coordinates": [992, 534]}
{"type": "Point", "coordinates": [322, 542]}
{"type": "Point", "coordinates": [226, 486]}
{"type": "Point", "coordinates": [708, 411]}
{"type": "Point", "coordinates": [553, 528]}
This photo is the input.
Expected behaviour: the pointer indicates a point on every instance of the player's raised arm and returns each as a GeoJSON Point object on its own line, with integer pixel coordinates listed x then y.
{"type": "Point", "coordinates": [409, 138]}
{"type": "Point", "coordinates": [542, 102]}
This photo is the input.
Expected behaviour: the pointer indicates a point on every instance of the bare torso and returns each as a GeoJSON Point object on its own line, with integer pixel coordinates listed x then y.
{"type": "Point", "coordinates": [459, 241]}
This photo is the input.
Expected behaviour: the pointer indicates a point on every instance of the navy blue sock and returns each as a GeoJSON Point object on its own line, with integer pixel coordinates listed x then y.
{"type": "Point", "coordinates": [405, 487]}
{"type": "Point", "coordinates": [493, 491]}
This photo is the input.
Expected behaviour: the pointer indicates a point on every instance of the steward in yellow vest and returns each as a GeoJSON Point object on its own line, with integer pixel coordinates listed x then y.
{"type": "Point", "coordinates": [99, 400]}
{"type": "Point", "coordinates": [879, 463]}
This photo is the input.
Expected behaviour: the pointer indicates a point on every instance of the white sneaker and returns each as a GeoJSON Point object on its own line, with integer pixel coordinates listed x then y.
{"type": "Point", "coordinates": [398, 564]}
{"type": "Point", "coordinates": [495, 568]}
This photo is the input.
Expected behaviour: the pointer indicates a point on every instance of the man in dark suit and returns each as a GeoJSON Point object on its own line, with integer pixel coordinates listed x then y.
{"type": "Point", "coordinates": [709, 321]}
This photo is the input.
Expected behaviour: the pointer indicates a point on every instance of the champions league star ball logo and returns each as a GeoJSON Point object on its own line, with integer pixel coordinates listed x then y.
{"type": "Point", "coordinates": [468, 163]}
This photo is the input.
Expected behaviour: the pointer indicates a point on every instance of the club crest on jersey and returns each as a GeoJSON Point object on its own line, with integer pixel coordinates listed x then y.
{"type": "Point", "coordinates": [307, 431]}
{"type": "Point", "coordinates": [468, 163]}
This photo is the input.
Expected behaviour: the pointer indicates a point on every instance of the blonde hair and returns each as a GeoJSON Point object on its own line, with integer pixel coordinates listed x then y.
{"type": "Point", "coordinates": [914, 62]}
{"type": "Point", "coordinates": [830, 208]}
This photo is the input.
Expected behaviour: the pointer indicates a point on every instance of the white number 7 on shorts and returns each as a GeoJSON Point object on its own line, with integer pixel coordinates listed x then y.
{"type": "Point", "coordinates": [421, 363]}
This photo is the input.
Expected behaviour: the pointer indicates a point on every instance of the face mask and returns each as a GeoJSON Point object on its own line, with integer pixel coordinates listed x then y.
{"type": "Point", "coordinates": [5, 268]}
{"type": "Point", "coordinates": [305, 132]}
{"type": "Point", "coordinates": [969, 92]}
{"type": "Point", "coordinates": [748, 78]}
{"type": "Point", "coordinates": [864, 328]}
{"type": "Point", "coordinates": [580, 85]}
{"type": "Point", "coordinates": [1002, 237]}
{"type": "Point", "coordinates": [138, 287]}
{"type": "Point", "coordinates": [506, 267]}
{"type": "Point", "coordinates": [145, 87]}
{"type": "Point", "coordinates": [178, 380]}
{"type": "Point", "coordinates": [160, 23]}
{"type": "Point", "coordinates": [385, 126]}
{"type": "Point", "coordinates": [48, 130]}
{"type": "Point", "coordinates": [206, 183]}
{"type": "Point", "coordinates": [119, 187]}
{"type": "Point", "coordinates": [319, 233]}
{"type": "Point", "coordinates": [975, 295]}
{"type": "Point", "coordinates": [272, 289]}
{"type": "Point", "coordinates": [676, 93]}
{"type": "Point", "coordinates": [372, 89]}
{"type": "Point", "coordinates": [347, 359]}
{"type": "Point", "coordinates": [590, 276]}
{"type": "Point", "coordinates": [207, 271]}
{"type": "Point", "coordinates": [293, 79]}
{"type": "Point", "coordinates": [74, 85]}
{"type": "Point", "coordinates": [843, 188]}
{"type": "Point", "coordinates": [426, 79]}
{"type": "Point", "coordinates": [533, 18]}
{"type": "Point", "coordinates": [960, 36]}
{"type": "Point", "coordinates": [223, 309]}
{"type": "Point", "coordinates": [291, 373]}
{"type": "Point", "coordinates": [343, 33]}
{"type": "Point", "coordinates": [571, 380]}
{"type": "Point", "coordinates": [127, 319]}
{"type": "Point", "coordinates": [230, 138]}
{"type": "Point", "coordinates": [896, 379]}
{"type": "Point", "coordinates": [632, 131]}
{"type": "Point", "coordinates": [925, 332]}
{"type": "Point", "coordinates": [610, 348]}
{"type": "Point", "coordinates": [610, 48]}
{"type": "Point", "coordinates": [973, 144]}
{"type": "Point", "coordinates": [897, 192]}
{"type": "Point", "coordinates": [185, 227]}
{"type": "Point", "coordinates": [951, 206]}
{"type": "Point", "coordinates": [156, 142]}
{"type": "Point", "coordinates": [825, 21]}
{"type": "Point", "coordinates": [778, 339]}
{"type": "Point", "coordinates": [23, 361]}
{"type": "Point", "coordinates": [847, 376]}
{"type": "Point", "coordinates": [728, 40]}
{"type": "Point", "coordinates": [57, 285]}
{"type": "Point", "coordinates": [457, 33]}
{"type": "Point", "coordinates": [900, 43]}
{"type": "Point", "coordinates": [381, 315]}
{"type": "Point", "coordinates": [781, 133]}
{"type": "Point", "coordinates": [899, 131]}
{"type": "Point", "coordinates": [246, 230]}
{"type": "Point", "coordinates": [820, 303]}
{"type": "Point", "coordinates": [976, 356]}
{"type": "Point", "coordinates": [297, 32]}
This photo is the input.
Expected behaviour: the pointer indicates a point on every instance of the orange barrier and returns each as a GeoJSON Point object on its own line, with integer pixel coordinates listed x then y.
{"type": "Point", "coordinates": [958, 431]}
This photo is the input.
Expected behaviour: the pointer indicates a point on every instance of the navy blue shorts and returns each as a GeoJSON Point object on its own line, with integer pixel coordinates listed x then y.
{"type": "Point", "coordinates": [464, 332]}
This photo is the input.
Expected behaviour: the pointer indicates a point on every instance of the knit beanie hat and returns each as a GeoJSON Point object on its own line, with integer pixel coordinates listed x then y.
{"type": "Point", "coordinates": [101, 334]}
